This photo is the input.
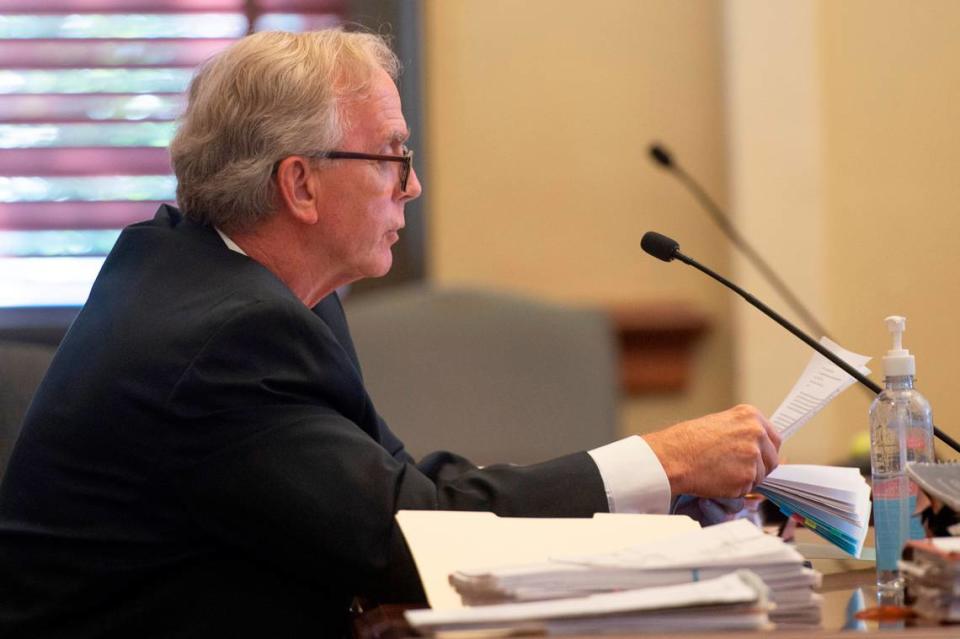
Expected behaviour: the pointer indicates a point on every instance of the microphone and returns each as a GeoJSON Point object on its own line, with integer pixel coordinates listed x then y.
{"type": "Point", "coordinates": [662, 157]}
{"type": "Point", "coordinates": [668, 249]}
{"type": "Point", "coordinates": [659, 246]}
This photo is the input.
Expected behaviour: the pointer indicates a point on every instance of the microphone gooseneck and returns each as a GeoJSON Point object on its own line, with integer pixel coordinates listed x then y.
{"type": "Point", "coordinates": [659, 241]}
{"type": "Point", "coordinates": [664, 158]}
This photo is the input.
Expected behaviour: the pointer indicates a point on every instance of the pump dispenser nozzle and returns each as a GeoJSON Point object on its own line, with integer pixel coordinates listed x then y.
{"type": "Point", "coordinates": [898, 361]}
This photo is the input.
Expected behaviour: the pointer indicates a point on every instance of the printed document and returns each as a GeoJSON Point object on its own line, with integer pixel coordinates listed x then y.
{"type": "Point", "coordinates": [821, 381]}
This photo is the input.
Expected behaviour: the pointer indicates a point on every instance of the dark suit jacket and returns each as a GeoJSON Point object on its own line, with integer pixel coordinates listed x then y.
{"type": "Point", "coordinates": [202, 459]}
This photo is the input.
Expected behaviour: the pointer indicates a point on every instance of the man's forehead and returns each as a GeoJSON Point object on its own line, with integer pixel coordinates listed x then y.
{"type": "Point", "coordinates": [392, 127]}
{"type": "Point", "coordinates": [378, 110]}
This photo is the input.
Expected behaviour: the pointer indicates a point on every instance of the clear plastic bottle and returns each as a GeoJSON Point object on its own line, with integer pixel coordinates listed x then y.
{"type": "Point", "coordinates": [901, 431]}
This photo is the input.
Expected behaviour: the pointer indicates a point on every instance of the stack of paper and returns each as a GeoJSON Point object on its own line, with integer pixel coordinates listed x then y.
{"type": "Point", "coordinates": [832, 501]}
{"type": "Point", "coordinates": [735, 601]}
{"type": "Point", "coordinates": [688, 558]}
{"type": "Point", "coordinates": [444, 541]}
{"type": "Point", "coordinates": [820, 382]}
{"type": "Point", "coordinates": [940, 482]}
{"type": "Point", "coordinates": [932, 571]}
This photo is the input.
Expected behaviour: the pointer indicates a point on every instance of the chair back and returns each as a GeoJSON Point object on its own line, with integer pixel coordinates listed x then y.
{"type": "Point", "coordinates": [22, 367]}
{"type": "Point", "coordinates": [492, 376]}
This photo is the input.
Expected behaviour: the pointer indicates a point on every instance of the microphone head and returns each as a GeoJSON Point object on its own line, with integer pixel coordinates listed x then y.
{"type": "Point", "coordinates": [661, 156]}
{"type": "Point", "coordinates": [659, 246]}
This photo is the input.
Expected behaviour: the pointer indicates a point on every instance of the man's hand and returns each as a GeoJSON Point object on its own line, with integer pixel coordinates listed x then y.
{"type": "Point", "coordinates": [723, 455]}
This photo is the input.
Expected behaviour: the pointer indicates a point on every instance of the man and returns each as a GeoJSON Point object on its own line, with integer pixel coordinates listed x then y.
{"type": "Point", "coordinates": [202, 457]}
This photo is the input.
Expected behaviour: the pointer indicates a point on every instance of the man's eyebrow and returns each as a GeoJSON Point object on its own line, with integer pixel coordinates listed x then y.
{"type": "Point", "coordinates": [399, 136]}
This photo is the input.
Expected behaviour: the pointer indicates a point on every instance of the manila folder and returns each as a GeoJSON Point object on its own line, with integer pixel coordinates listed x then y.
{"type": "Point", "coordinates": [443, 542]}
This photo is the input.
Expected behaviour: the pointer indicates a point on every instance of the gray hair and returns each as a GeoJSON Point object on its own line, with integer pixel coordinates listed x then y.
{"type": "Point", "coordinates": [266, 97]}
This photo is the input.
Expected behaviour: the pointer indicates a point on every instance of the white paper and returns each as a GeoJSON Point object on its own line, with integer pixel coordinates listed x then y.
{"type": "Point", "coordinates": [947, 544]}
{"type": "Point", "coordinates": [443, 542]}
{"type": "Point", "coordinates": [835, 496]}
{"type": "Point", "coordinates": [730, 589]}
{"type": "Point", "coordinates": [825, 481]}
{"type": "Point", "coordinates": [733, 543]}
{"type": "Point", "coordinates": [821, 381]}
{"type": "Point", "coordinates": [687, 558]}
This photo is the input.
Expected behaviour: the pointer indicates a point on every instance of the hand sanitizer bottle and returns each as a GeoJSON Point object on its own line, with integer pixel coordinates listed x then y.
{"type": "Point", "coordinates": [901, 431]}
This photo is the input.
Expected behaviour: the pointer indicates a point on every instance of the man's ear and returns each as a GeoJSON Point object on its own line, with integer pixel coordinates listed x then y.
{"type": "Point", "coordinates": [297, 188]}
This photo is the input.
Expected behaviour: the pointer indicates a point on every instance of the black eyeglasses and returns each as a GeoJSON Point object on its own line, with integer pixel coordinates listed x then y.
{"type": "Point", "coordinates": [406, 159]}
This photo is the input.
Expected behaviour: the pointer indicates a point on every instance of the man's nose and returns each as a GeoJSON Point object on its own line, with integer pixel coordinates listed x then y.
{"type": "Point", "coordinates": [414, 188]}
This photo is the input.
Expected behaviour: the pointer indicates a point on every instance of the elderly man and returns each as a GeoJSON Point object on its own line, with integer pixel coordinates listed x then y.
{"type": "Point", "coordinates": [202, 457]}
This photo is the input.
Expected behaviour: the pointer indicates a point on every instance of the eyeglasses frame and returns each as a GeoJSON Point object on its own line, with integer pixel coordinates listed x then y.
{"type": "Point", "coordinates": [406, 159]}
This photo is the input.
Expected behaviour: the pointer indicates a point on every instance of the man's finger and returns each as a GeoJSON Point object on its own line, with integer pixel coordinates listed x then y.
{"type": "Point", "coordinates": [761, 474]}
{"type": "Point", "coordinates": [771, 431]}
{"type": "Point", "coordinates": [769, 456]}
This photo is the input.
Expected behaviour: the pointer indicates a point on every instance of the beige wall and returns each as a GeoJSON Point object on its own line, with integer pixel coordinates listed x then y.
{"type": "Point", "coordinates": [892, 128]}
{"type": "Point", "coordinates": [777, 188]}
{"type": "Point", "coordinates": [539, 114]}
{"type": "Point", "coordinates": [832, 129]}
{"type": "Point", "coordinates": [844, 136]}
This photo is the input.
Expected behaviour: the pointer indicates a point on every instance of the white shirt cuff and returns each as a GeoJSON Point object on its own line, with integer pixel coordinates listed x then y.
{"type": "Point", "coordinates": [633, 477]}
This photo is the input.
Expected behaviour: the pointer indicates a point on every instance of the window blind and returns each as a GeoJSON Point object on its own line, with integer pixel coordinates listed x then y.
{"type": "Point", "coordinates": [89, 91]}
